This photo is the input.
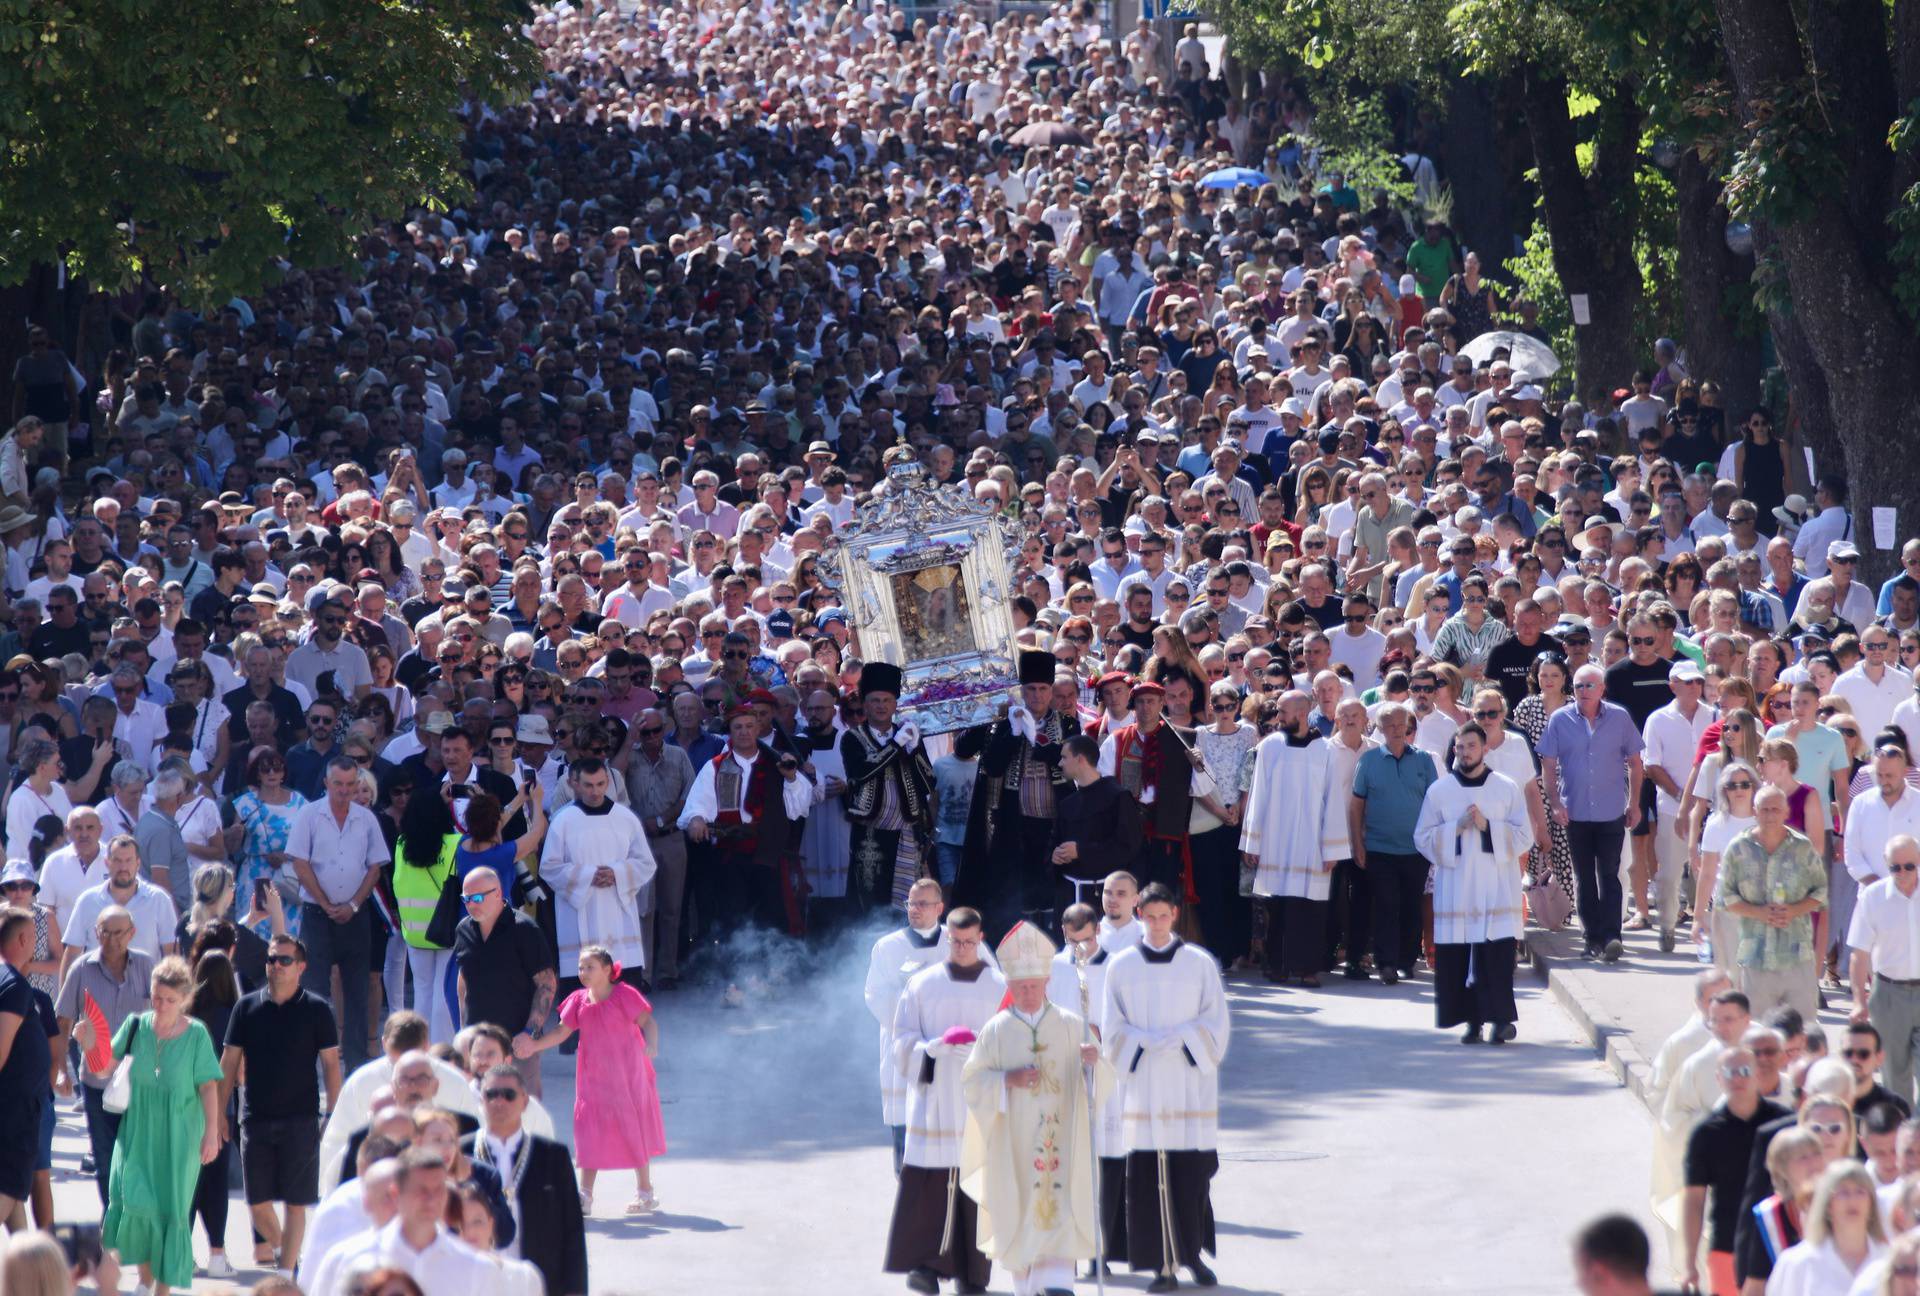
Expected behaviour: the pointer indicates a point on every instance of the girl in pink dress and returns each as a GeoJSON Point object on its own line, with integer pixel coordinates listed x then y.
{"type": "Point", "coordinates": [616, 1103]}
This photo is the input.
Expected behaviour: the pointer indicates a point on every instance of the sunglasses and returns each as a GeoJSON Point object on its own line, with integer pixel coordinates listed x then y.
{"type": "Point", "coordinates": [281, 960]}
{"type": "Point", "coordinates": [1829, 1128]}
{"type": "Point", "coordinates": [475, 897]}
{"type": "Point", "coordinates": [1904, 868]}
{"type": "Point", "coordinates": [501, 1095]}
{"type": "Point", "coordinates": [1856, 1055]}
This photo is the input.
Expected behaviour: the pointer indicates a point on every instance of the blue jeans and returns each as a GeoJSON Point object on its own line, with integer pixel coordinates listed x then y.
{"type": "Point", "coordinates": [946, 863]}
{"type": "Point", "coordinates": [103, 1127]}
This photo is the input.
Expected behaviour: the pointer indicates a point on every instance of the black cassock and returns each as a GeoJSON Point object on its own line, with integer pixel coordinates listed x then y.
{"type": "Point", "coordinates": [1104, 823]}
{"type": "Point", "coordinates": [1005, 869]}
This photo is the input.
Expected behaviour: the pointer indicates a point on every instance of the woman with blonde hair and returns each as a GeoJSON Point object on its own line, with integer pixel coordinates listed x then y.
{"type": "Point", "coordinates": [35, 1266]}
{"type": "Point", "coordinates": [1844, 1235]}
{"type": "Point", "coordinates": [1795, 1160]}
{"type": "Point", "coordinates": [170, 1129]}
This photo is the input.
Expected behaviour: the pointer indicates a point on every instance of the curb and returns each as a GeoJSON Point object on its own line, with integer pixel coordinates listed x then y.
{"type": "Point", "coordinates": [1611, 1043]}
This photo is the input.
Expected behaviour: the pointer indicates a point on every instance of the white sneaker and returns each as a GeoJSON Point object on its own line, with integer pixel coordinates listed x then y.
{"type": "Point", "coordinates": [218, 1267]}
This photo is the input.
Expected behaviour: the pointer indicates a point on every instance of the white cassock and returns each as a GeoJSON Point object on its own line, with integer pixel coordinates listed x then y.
{"type": "Point", "coordinates": [1028, 1156]}
{"type": "Point", "coordinates": [353, 1109]}
{"type": "Point", "coordinates": [896, 957]}
{"type": "Point", "coordinates": [581, 841]}
{"type": "Point", "coordinates": [934, 1001]}
{"type": "Point", "coordinates": [1079, 988]}
{"type": "Point", "coordinates": [1291, 822]}
{"type": "Point", "coordinates": [826, 842]}
{"type": "Point", "coordinates": [1163, 1025]}
{"type": "Point", "coordinates": [1476, 875]}
{"type": "Point", "coordinates": [1693, 1093]}
{"type": "Point", "coordinates": [1114, 938]}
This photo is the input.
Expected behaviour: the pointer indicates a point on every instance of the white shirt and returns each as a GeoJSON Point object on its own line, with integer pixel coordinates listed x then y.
{"type": "Point", "coordinates": [1874, 703]}
{"type": "Point", "coordinates": [1808, 1270]}
{"type": "Point", "coordinates": [63, 877]}
{"type": "Point", "coordinates": [1872, 823]}
{"type": "Point", "coordinates": [1671, 740]}
{"type": "Point", "coordinates": [1886, 926]}
{"type": "Point", "coordinates": [445, 1265]}
{"type": "Point", "coordinates": [154, 918]}
{"type": "Point", "coordinates": [25, 807]}
{"type": "Point", "coordinates": [1810, 546]}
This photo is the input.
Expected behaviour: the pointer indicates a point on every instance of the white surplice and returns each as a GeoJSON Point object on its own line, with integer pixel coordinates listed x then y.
{"type": "Point", "coordinates": [1163, 1025]}
{"type": "Point", "coordinates": [826, 841]}
{"type": "Point", "coordinates": [1079, 987]}
{"type": "Point", "coordinates": [1476, 875]}
{"type": "Point", "coordinates": [896, 957]}
{"type": "Point", "coordinates": [580, 842]}
{"type": "Point", "coordinates": [1290, 825]}
{"type": "Point", "coordinates": [934, 1002]}
{"type": "Point", "coordinates": [1027, 1157]}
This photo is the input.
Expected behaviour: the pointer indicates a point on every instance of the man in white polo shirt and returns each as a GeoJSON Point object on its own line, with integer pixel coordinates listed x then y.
{"type": "Point", "coordinates": [1875, 818]}
{"type": "Point", "coordinates": [1885, 938]}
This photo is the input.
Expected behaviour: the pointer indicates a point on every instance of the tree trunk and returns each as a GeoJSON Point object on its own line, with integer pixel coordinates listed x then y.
{"type": "Point", "coordinates": [1723, 331]}
{"type": "Point", "coordinates": [1809, 414]}
{"type": "Point", "coordinates": [1592, 217]}
{"type": "Point", "coordinates": [1837, 275]}
{"type": "Point", "coordinates": [1470, 161]}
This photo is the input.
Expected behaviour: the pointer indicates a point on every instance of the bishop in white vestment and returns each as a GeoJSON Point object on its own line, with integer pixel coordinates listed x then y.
{"type": "Point", "coordinates": [940, 1014]}
{"type": "Point", "coordinates": [1475, 828]}
{"type": "Point", "coordinates": [1293, 832]}
{"type": "Point", "coordinates": [1163, 1025]}
{"type": "Point", "coordinates": [597, 861]}
{"type": "Point", "coordinates": [1032, 1082]}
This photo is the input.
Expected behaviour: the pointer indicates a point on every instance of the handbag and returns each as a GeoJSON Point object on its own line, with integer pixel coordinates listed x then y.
{"type": "Point", "coordinates": [120, 1088]}
{"type": "Point", "coordinates": [449, 909]}
{"type": "Point", "coordinates": [1547, 902]}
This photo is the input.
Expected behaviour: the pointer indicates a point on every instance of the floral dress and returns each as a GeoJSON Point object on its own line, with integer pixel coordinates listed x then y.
{"type": "Point", "coordinates": [1530, 718]}
{"type": "Point", "coordinates": [268, 827]}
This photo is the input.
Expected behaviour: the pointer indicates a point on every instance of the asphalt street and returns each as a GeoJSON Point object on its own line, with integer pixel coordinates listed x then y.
{"type": "Point", "coordinates": [1362, 1150]}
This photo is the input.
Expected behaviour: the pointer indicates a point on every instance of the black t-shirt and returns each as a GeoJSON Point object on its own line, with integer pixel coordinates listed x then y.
{"type": "Point", "coordinates": [24, 1077]}
{"type": "Point", "coordinates": [49, 640]}
{"type": "Point", "coordinates": [1642, 690]}
{"type": "Point", "coordinates": [1718, 1151]}
{"type": "Point", "coordinates": [282, 1042]}
{"type": "Point", "coordinates": [1508, 662]}
{"type": "Point", "coordinates": [1137, 638]}
{"type": "Point", "coordinates": [499, 969]}
{"type": "Point", "coordinates": [1880, 1094]}
{"type": "Point", "coordinates": [288, 719]}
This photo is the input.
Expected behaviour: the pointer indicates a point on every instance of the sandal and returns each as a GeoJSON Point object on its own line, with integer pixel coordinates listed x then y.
{"type": "Point", "coordinates": [643, 1204]}
{"type": "Point", "coordinates": [1636, 923]}
{"type": "Point", "coordinates": [586, 1203]}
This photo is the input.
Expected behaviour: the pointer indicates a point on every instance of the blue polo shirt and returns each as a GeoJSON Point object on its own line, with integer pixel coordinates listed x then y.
{"type": "Point", "coordinates": [1593, 759]}
{"type": "Point", "coordinates": [1393, 788]}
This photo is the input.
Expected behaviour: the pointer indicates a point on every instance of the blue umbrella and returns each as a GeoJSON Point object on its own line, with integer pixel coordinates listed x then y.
{"type": "Point", "coordinates": [1233, 178]}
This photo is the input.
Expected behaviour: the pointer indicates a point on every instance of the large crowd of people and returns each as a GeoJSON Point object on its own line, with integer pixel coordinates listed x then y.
{"type": "Point", "coordinates": [418, 667]}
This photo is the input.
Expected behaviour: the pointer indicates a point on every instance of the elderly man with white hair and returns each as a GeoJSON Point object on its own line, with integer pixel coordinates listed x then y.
{"type": "Point", "coordinates": [1590, 762]}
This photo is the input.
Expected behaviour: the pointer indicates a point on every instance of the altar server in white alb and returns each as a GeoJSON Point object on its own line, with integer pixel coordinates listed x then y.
{"type": "Point", "coordinates": [1163, 1025]}
{"type": "Point", "coordinates": [1475, 829]}
{"type": "Point", "coordinates": [1293, 833]}
{"type": "Point", "coordinates": [598, 863]}
{"type": "Point", "coordinates": [940, 1014]}
{"type": "Point", "coordinates": [1032, 1081]}
{"type": "Point", "coordinates": [1079, 984]}
{"type": "Point", "coordinates": [896, 957]}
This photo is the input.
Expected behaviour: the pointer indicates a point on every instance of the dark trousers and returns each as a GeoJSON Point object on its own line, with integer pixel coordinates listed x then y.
{"type": "Point", "coordinates": [707, 887]}
{"type": "Point", "coordinates": [1113, 1209]}
{"type": "Point", "coordinates": [1224, 919]}
{"type": "Point", "coordinates": [211, 1195]}
{"type": "Point", "coordinates": [347, 946]}
{"type": "Point", "coordinates": [1349, 913]}
{"type": "Point", "coordinates": [1395, 884]}
{"type": "Point", "coordinates": [1595, 847]}
{"type": "Point", "coordinates": [103, 1127]}
{"type": "Point", "coordinates": [1296, 936]}
{"type": "Point", "coordinates": [1161, 861]}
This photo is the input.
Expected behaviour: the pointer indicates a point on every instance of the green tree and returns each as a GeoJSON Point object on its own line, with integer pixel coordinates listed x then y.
{"type": "Point", "coordinates": [203, 144]}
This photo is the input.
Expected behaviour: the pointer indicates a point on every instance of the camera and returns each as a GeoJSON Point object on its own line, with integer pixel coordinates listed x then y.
{"type": "Point", "coordinates": [81, 1244]}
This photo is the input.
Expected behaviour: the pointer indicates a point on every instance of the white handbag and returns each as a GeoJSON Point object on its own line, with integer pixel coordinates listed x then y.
{"type": "Point", "coordinates": [120, 1088]}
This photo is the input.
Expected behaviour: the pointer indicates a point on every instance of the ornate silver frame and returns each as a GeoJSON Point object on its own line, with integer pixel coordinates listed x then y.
{"type": "Point", "coordinates": [925, 574]}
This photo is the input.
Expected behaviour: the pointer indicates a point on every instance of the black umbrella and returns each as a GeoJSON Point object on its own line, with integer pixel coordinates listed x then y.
{"type": "Point", "coordinates": [1051, 134]}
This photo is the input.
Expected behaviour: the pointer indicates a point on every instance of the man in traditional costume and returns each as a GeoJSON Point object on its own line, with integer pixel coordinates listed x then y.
{"type": "Point", "coordinates": [597, 861]}
{"type": "Point", "coordinates": [940, 1014]}
{"type": "Point", "coordinates": [1079, 980]}
{"type": "Point", "coordinates": [1475, 828]}
{"type": "Point", "coordinates": [1032, 1082]}
{"type": "Point", "coordinates": [1005, 872]}
{"type": "Point", "coordinates": [1163, 1024]}
{"type": "Point", "coordinates": [1293, 832]}
{"type": "Point", "coordinates": [747, 801]}
{"type": "Point", "coordinates": [1114, 692]}
{"type": "Point", "coordinates": [1097, 827]}
{"type": "Point", "coordinates": [896, 957]}
{"type": "Point", "coordinates": [1160, 768]}
{"type": "Point", "coordinates": [889, 798]}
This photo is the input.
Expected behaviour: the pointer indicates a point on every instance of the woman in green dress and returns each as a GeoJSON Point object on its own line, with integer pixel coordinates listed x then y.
{"type": "Point", "coordinates": [171, 1128]}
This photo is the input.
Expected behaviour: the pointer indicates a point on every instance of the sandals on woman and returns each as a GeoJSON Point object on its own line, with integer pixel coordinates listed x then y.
{"type": "Point", "coordinates": [643, 1203]}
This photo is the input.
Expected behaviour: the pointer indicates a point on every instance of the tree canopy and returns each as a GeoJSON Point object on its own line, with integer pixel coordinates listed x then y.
{"type": "Point", "coordinates": [202, 143]}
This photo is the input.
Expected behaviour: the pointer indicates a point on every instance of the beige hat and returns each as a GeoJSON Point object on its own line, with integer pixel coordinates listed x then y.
{"type": "Point", "coordinates": [1026, 953]}
{"type": "Point", "coordinates": [12, 517]}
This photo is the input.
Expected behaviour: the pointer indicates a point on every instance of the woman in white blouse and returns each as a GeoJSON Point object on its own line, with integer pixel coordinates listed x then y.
{"type": "Point", "coordinates": [1843, 1236]}
{"type": "Point", "coordinates": [1735, 787]}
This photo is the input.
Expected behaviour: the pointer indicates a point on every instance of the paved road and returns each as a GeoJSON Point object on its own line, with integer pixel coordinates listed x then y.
{"type": "Point", "coordinates": [1363, 1152]}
